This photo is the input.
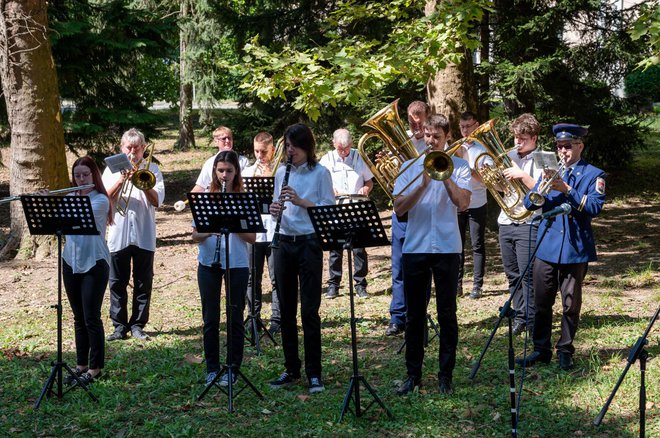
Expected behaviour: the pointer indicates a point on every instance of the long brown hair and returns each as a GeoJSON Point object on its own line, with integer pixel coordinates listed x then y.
{"type": "Point", "coordinates": [230, 157]}
{"type": "Point", "coordinates": [96, 178]}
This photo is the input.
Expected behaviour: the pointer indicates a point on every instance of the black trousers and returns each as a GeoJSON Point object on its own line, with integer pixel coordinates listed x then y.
{"type": "Point", "coordinates": [209, 280]}
{"type": "Point", "coordinates": [476, 218]}
{"type": "Point", "coordinates": [548, 277]}
{"type": "Point", "coordinates": [300, 264]}
{"type": "Point", "coordinates": [85, 292]}
{"type": "Point", "coordinates": [418, 269]}
{"type": "Point", "coordinates": [360, 267]}
{"type": "Point", "coordinates": [143, 277]}
{"type": "Point", "coordinates": [516, 247]}
{"type": "Point", "coordinates": [261, 253]}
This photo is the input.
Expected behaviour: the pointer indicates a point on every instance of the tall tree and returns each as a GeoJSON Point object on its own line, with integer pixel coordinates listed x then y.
{"type": "Point", "coordinates": [186, 138]}
{"type": "Point", "coordinates": [29, 84]}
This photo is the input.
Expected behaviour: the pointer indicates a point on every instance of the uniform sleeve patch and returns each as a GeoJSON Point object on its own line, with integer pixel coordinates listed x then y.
{"type": "Point", "coordinates": [600, 185]}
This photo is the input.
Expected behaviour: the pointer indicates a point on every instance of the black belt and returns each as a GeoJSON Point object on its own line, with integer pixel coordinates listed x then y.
{"type": "Point", "coordinates": [299, 238]}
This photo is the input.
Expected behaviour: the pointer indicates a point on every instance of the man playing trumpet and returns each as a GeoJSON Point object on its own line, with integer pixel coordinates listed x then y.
{"type": "Point", "coordinates": [132, 239]}
{"type": "Point", "coordinates": [431, 250]}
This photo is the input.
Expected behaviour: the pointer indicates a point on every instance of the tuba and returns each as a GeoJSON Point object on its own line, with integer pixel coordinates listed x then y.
{"type": "Point", "coordinates": [143, 179]}
{"type": "Point", "coordinates": [509, 195]}
{"type": "Point", "coordinates": [386, 125]}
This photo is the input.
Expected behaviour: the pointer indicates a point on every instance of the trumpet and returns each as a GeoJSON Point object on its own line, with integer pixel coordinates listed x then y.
{"type": "Point", "coordinates": [143, 179]}
{"type": "Point", "coordinates": [538, 197]}
{"type": "Point", "coordinates": [50, 192]}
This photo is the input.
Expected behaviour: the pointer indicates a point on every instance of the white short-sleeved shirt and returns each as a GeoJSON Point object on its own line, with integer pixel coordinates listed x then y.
{"type": "Point", "coordinates": [267, 219]}
{"type": "Point", "coordinates": [206, 174]}
{"type": "Point", "coordinates": [348, 174]}
{"type": "Point", "coordinates": [82, 252]}
{"type": "Point", "coordinates": [238, 251]}
{"type": "Point", "coordinates": [526, 163]}
{"type": "Point", "coordinates": [419, 143]}
{"type": "Point", "coordinates": [138, 226]}
{"type": "Point", "coordinates": [315, 185]}
{"type": "Point", "coordinates": [432, 222]}
{"type": "Point", "coordinates": [479, 191]}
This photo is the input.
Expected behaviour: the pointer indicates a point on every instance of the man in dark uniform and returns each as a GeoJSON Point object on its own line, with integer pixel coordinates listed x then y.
{"type": "Point", "coordinates": [563, 255]}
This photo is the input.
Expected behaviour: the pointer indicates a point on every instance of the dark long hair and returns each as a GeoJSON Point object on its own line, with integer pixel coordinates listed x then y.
{"type": "Point", "coordinates": [300, 136]}
{"type": "Point", "coordinates": [96, 179]}
{"type": "Point", "coordinates": [230, 157]}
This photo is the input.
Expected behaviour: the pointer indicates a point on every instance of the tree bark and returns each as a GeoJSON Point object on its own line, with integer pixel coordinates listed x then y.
{"type": "Point", "coordinates": [186, 134]}
{"type": "Point", "coordinates": [29, 83]}
{"type": "Point", "coordinates": [452, 90]}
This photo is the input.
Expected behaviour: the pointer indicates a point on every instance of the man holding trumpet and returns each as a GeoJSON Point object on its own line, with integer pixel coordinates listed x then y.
{"type": "Point", "coordinates": [431, 250]}
{"type": "Point", "coordinates": [132, 239]}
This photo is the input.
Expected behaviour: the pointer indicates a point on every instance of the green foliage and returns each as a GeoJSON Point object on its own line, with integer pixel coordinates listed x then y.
{"type": "Point", "coordinates": [112, 62]}
{"type": "Point", "coordinates": [353, 64]}
{"type": "Point", "coordinates": [647, 28]}
{"type": "Point", "coordinates": [644, 84]}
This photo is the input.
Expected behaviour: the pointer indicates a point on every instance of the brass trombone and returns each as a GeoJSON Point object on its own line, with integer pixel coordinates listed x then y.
{"type": "Point", "coordinates": [143, 179]}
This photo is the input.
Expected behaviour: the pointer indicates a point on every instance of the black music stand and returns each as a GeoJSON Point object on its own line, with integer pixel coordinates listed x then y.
{"type": "Point", "coordinates": [343, 227]}
{"type": "Point", "coordinates": [226, 213]}
{"type": "Point", "coordinates": [637, 352]}
{"type": "Point", "coordinates": [61, 216]}
{"type": "Point", "coordinates": [506, 311]}
{"type": "Point", "coordinates": [263, 187]}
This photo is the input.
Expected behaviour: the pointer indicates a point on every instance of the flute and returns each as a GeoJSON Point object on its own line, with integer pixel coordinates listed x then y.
{"type": "Point", "coordinates": [218, 240]}
{"type": "Point", "coordinates": [51, 192]}
{"type": "Point", "coordinates": [276, 237]}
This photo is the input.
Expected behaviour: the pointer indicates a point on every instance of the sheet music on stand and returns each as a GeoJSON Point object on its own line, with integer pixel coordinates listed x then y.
{"type": "Point", "coordinates": [359, 221]}
{"type": "Point", "coordinates": [545, 160]}
{"type": "Point", "coordinates": [64, 215]}
{"type": "Point", "coordinates": [118, 163]}
{"type": "Point", "coordinates": [234, 212]}
{"type": "Point", "coordinates": [263, 187]}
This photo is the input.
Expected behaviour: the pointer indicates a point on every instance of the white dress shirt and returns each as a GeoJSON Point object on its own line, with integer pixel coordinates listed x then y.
{"type": "Point", "coordinates": [348, 174]}
{"type": "Point", "coordinates": [82, 252]}
{"type": "Point", "coordinates": [138, 226]}
{"type": "Point", "coordinates": [238, 251]}
{"type": "Point", "coordinates": [526, 163]}
{"type": "Point", "coordinates": [206, 174]}
{"type": "Point", "coordinates": [432, 222]}
{"type": "Point", "coordinates": [267, 219]}
{"type": "Point", "coordinates": [478, 188]}
{"type": "Point", "coordinates": [315, 185]}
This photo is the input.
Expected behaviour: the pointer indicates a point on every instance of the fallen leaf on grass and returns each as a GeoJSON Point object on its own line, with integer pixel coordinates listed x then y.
{"type": "Point", "coordinates": [496, 416]}
{"type": "Point", "coordinates": [192, 359]}
{"type": "Point", "coordinates": [266, 412]}
{"type": "Point", "coordinates": [303, 397]}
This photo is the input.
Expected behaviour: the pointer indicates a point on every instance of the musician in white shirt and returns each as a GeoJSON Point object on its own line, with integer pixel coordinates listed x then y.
{"type": "Point", "coordinates": [224, 140]}
{"type": "Point", "coordinates": [431, 250]}
{"type": "Point", "coordinates": [350, 176]}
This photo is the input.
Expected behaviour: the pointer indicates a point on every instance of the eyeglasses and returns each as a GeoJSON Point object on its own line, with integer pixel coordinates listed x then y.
{"type": "Point", "coordinates": [82, 175]}
{"type": "Point", "coordinates": [222, 138]}
{"type": "Point", "coordinates": [567, 146]}
{"type": "Point", "coordinates": [462, 126]}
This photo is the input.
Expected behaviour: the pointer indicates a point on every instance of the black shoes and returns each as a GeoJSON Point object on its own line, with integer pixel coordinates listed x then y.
{"type": "Point", "coordinates": [531, 359]}
{"type": "Point", "coordinates": [87, 378]}
{"type": "Point", "coordinates": [444, 385]}
{"type": "Point", "coordinates": [518, 328]}
{"type": "Point", "coordinates": [475, 294]}
{"type": "Point", "coordinates": [116, 335]}
{"type": "Point", "coordinates": [361, 291]}
{"type": "Point", "coordinates": [70, 380]}
{"type": "Point", "coordinates": [316, 385]}
{"type": "Point", "coordinates": [408, 386]}
{"type": "Point", "coordinates": [274, 328]}
{"type": "Point", "coordinates": [565, 361]}
{"type": "Point", "coordinates": [393, 329]}
{"type": "Point", "coordinates": [138, 333]}
{"type": "Point", "coordinates": [331, 293]}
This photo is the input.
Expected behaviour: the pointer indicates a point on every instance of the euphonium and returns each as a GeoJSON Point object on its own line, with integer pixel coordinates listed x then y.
{"type": "Point", "coordinates": [509, 195]}
{"type": "Point", "coordinates": [386, 125]}
{"type": "Point", "coordinates": [143, 179]}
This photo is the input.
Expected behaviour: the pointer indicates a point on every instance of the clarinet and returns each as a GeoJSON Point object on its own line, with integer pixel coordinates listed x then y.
{"type": "Point", "coordinates": [218, 240]}
{"type": "Point", "coordinates": [276, 237]}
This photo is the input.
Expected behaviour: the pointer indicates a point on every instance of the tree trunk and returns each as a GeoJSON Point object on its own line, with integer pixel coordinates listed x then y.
{"type": "Point", "coordinates": [484, 81]}
{"type": "Point", "coordinates": [452, 90]}
{"type": "Point", "coordinates": [186, 134]}
{"type": "Point", "coordinates": [29, 82]}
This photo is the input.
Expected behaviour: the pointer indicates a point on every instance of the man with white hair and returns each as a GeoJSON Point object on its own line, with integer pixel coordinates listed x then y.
{"type": "Point", "coordinates": [350, 176]}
